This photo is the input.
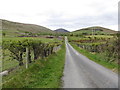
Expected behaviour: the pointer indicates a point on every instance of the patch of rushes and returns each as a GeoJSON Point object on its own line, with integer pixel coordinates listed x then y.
{"type": "Point", "coordinates": [44, 73]}
{"type": "Point", "coordinates": [97, 58]}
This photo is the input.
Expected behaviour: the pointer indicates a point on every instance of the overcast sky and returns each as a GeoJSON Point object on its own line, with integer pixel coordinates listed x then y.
{"type": "Point", "coordinates": [68, 14]}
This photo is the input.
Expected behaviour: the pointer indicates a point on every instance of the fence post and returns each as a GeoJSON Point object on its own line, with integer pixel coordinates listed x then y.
{"type": "Point", "coordinates": [27, 56]}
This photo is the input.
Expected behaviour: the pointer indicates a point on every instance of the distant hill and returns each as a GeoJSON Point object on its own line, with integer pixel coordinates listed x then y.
{"type": "Point", "coordinates": [61, 30]}
{"type": "Point", "coordinates": [15, 28]}
{"type": "Point", "coordinates": [94, 30]}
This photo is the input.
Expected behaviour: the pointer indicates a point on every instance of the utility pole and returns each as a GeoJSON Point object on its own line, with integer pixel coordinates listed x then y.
{"type": "Point", "coordinates": [92, 32]}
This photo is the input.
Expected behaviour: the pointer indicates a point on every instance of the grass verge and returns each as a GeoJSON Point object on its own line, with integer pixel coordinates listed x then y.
{"type": "Point", "coordinates": [96, 58]}
{"type": "Point", "coordinates": [45, 73]}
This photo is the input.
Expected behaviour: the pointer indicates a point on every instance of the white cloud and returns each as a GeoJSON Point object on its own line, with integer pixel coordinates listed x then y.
{"type": "Point", "coordinates": [68, 14]}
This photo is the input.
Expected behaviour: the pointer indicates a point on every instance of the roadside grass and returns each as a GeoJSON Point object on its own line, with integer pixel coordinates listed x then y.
{"type": "Point", "coordinates": [45, 73]}
{"type": "Point", "coordinates": [97, 58]}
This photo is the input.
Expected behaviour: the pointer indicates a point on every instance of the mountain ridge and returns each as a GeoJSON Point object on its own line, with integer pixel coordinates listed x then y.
{"type": "Point", "coordinates": [61, 30]}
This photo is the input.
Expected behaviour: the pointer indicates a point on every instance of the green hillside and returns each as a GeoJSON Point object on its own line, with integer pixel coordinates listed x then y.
{"type": "Point", "coordinates": [94, 31]}
{"type": "Point", "coordinates": [18, 29]}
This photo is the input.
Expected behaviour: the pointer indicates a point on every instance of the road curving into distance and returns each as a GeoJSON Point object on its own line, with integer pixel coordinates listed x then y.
{"type": "Point", "coordinates": [80, 72]}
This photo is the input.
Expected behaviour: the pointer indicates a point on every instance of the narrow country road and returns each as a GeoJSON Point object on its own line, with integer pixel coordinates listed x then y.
{"type": "Point", "coordinates": [80, 72]}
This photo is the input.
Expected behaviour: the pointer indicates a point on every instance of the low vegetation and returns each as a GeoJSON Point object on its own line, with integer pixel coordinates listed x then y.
{"type": "Point", "coordinates": [44, 73]}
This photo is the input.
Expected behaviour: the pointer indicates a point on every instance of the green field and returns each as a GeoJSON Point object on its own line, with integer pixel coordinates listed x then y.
{"type": "Point", "coordinates": [43, 39]}
{"type": "Point", "coordinates": [86, 37]}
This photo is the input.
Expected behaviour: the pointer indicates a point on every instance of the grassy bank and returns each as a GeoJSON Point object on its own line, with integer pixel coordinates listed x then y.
{"type": "Point", "coordinates": [45, 73]}
{"type": "Point", "coordinates": [97, 58]}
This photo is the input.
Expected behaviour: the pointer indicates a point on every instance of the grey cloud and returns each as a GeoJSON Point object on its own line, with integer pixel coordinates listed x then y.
{"type": "Point", "coordinates": [108, 18]}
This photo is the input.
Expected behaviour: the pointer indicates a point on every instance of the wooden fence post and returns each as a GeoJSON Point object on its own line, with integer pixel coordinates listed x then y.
{"type": "Point", "coordinates": [28, 57]}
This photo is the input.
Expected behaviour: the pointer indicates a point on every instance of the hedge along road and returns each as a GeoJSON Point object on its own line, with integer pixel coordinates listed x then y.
{"type": "Point", "coordinates": [80, 72]}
